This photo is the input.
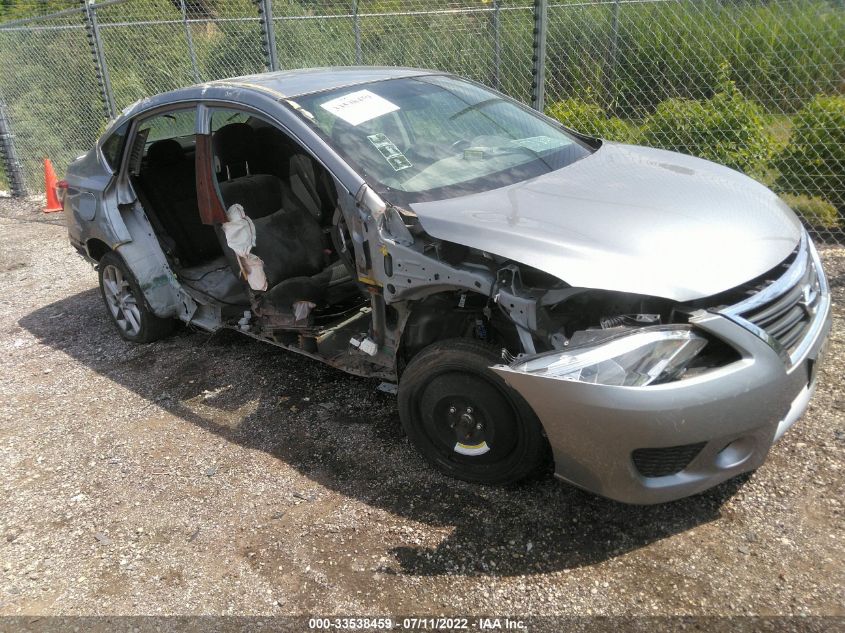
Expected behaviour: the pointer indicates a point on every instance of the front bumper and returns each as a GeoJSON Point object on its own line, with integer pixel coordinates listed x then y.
{"type": "Point", "coordinates": [734, 413]}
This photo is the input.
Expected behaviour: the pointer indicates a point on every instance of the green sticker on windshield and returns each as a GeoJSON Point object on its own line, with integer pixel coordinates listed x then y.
{"type": "Point", "coordinates": [391, 153]}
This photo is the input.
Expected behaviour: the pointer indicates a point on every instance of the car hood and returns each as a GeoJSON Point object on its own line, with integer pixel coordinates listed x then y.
{"type": "Point", "coordinates": [628, 218]}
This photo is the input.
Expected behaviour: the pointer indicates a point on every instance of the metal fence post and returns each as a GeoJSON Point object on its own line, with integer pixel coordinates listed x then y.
{"type": "Point", "coordinates": [497, 43]}
{"type": "Point", "coordinates": [190, 38]}
{"type": "Point", "coordinates": [538, 72]}
{"type": "Point", "coordinates": [356, 26]}
{"type": "Point", "coordinates": [8, 155]}
{"type": "Point", "coordinates": [609, 74]}
{"type": "Point", "coordinates": [92, 30]}
{"type": "Point", "coordinates": [268, 32]}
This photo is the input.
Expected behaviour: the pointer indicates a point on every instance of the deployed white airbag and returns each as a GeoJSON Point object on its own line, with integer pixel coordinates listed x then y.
{"type": "Point", "coordinates": [240, 236]}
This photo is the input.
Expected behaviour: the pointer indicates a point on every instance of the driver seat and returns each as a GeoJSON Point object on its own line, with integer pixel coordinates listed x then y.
{"type": "Point", "coordinates": [288, 235]}
{"type": "Point", "coordinates": [290, 243]}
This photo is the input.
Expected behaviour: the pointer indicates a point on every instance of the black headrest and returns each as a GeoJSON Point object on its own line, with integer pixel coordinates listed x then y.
{"type": "Point", "coordinates": [165, 152]}
{"type": "Point", "coordinates": [232, 143]}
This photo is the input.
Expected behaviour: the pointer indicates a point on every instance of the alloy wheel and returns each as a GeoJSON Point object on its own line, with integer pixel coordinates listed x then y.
{"type": "Point", "coordinates": [120, 300]}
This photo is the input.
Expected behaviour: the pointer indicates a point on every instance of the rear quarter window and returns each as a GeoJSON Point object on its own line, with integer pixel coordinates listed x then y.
{"type": "Point", "coordinates": [113, 146]}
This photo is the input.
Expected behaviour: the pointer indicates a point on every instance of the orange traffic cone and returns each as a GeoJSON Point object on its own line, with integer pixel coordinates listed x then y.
{"type": "Point", "coordinates": [53, 203]}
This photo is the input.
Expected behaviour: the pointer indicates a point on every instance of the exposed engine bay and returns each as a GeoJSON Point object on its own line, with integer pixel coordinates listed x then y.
{"type": "Point", "coordinates": [434, 290]}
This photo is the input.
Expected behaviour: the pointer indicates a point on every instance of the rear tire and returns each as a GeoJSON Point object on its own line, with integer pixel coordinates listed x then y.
{"type": "Point", "coordinates": [126, 305]}
{"type": "Point", "coordinates": [465, 419]}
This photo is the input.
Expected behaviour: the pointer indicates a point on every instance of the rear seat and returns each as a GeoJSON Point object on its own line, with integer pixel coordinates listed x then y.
{"type": "Point", "coordinates": [169, 183]}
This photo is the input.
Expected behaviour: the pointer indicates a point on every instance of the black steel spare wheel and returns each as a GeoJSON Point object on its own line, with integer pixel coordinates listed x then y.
{"type": "Point", "coordinates": [465, 420]}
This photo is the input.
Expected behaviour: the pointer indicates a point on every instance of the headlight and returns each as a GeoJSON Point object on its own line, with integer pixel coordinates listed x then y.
{"type": "Point", "coordinates": [632, 360]}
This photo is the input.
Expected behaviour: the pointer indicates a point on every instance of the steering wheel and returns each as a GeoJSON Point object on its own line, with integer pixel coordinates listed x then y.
{"type": "Point", "coordinates": [456, 146]}
{"type": "Point", "coordinates": [342, 242]}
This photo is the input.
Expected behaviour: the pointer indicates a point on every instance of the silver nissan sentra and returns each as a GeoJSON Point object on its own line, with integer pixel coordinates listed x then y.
{"type": "Point", "coordinates": [648, 322]}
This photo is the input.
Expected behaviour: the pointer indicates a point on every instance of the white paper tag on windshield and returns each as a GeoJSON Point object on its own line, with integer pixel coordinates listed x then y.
{"type": "Point", "coordinates": [359, 106]}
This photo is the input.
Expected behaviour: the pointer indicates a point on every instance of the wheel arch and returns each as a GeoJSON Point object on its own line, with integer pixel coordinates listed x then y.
{"type": "Point", "coordinates": [97, 248]}
{"type": "Point", "coordinates": [445, 315]}
{"type": "Point", "coordinates": [431, 319]}
{"type": "Point", "coordinates": [137, 314]}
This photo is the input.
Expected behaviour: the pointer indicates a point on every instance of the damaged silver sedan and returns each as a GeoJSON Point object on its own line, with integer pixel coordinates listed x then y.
{"type": "Point", "coordinates": [648, 321]}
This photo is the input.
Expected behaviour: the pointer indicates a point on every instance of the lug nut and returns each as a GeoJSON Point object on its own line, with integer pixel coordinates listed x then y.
{"type": "Point", "coordinates": [452, 410]}
{"type": "Point", "coordinates": [479, 426]}
{"type": "Point", "coordinates": [469, 409]}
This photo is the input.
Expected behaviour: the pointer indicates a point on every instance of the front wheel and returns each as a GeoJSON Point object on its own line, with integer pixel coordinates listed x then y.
{"type": "Point", "coordinates": [465, 420]}
{"type": "Point", "coordinates": [125, 303]}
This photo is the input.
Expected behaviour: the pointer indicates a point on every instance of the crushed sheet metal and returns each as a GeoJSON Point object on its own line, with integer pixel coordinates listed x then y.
{"type": "Point", "coordinates": [156, 282]}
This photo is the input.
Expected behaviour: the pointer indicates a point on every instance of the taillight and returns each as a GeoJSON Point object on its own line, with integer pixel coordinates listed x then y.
{"type": "Point", "coordinates": [61, 190]}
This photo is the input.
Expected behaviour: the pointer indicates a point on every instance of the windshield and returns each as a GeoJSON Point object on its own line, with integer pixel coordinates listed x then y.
{"type": "Point", "coordinates": [435, 137]}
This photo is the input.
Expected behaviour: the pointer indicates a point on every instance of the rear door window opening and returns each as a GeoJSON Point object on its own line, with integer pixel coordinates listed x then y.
{"type": "Point", "coordinates": [162, 166]}
{"type": "Point", "coordinates": [112, 147]}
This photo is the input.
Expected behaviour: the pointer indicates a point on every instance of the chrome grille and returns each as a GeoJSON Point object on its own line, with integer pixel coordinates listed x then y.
{"type": "Point", "coordinates": [788, 317]}
{"type": "Point", "coordinates": [783, 304]}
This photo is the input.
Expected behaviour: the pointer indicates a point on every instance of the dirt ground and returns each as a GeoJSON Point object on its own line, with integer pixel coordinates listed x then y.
{"type": "Point", "coordinates": [215, 474]}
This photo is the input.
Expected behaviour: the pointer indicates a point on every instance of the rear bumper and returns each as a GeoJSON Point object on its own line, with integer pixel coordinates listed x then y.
{"type": "Point", "coordinates": [735, 413]}
{"type": "Point", "coordinates": [81, 250]}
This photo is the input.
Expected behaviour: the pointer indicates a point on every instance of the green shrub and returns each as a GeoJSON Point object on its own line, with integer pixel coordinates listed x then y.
{"type": "Point", "coordinates": [813, 163]}
{"type": "Point", "coordinates": [590, 119]}
{"type": "Point", "coordinates": [727, 128]}
{"type": "Point", "coordinates": [814, 211]}
{"type": "Point", "coordinates": [780, 53]}
{"type": "Point", "coordinates": [783, 53]}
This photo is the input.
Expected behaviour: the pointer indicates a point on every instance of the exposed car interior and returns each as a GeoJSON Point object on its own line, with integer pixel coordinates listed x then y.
{"type": "Point", "coordinates": [290, 199]}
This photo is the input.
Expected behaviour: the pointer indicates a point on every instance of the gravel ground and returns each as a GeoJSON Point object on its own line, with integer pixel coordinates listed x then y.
{"type": "Point", "coordinates": [216, 474]}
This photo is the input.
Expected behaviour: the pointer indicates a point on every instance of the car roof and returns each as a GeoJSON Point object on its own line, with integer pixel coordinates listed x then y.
{"type": "Point", "coordinates": [283, 84]}
{"type": "Point", "coordinates": [293, 83]}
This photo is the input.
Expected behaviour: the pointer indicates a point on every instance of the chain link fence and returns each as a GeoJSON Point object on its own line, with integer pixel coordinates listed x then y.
{"type": "Point", "coordinates": [50, 90]}
{"type": "Point", "coordinates": [758, 85]}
